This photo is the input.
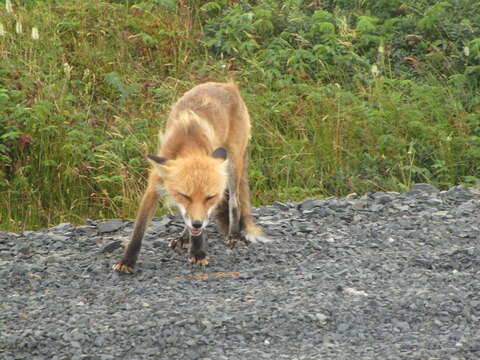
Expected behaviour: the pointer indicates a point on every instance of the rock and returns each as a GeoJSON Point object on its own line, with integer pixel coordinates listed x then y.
{"type": "Point", "coordinates": [434, 202]}
{"type": "Point", "coordinates": [24, 250]}
{"type": "Point", "coordinates": [321, 317]}
{"type": "Point", "coordinates": [57, 245]}
{"type": "Point", "coordinates": [62, 227]}
{"type": "Point", "coordinates": [401, 207]}
{"type": "Point", "coordinates": [111, 247]}
{"type": "Point", "coordinates": [401, 325]}
{"type": "Point", "coordinates": [376, 208]}
{"type": "Point", "coordinates": [157, 244]}
{"type": "Point", "coordinates": [360, 205]}
{"type": "Point", "coordinates": [383, 276]}
{"type": "Point", "coordinates": [163, 221]}
{"type": "Point", "coordinates": [467, 208]}
{"type": "Point", "coordinates": [281, 205]}
{"type": "Point", "coordinates": [110, 226]}
{"type": "Point", "coordinates": [309, 204]}
{"type": "Point", "coordinates": [458, 193]}
{"type": "Point", "coordinates": [383, 199]}
{"type": "Point", "coordinates": [337, 204]}
{"type": "Point", "coordinates": [424, 188]}
{"type": "Point", "coordinates": [86, 230]}
{"type": "Point", "coordinates": [57, 237]}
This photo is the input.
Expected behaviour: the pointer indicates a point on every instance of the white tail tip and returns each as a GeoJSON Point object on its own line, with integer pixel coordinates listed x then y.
{"type": "Point", "coordinates": [258, 238]}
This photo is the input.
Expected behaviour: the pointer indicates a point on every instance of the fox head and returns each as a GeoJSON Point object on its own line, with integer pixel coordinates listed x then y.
{"type": "Point", "coordinates": [195, 184]}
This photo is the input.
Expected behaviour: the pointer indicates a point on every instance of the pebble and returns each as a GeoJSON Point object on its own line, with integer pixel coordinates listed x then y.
{"type": "Point", "coordinates": [424, 188]}
{"type": "Point", "coordinates": [110, 226]}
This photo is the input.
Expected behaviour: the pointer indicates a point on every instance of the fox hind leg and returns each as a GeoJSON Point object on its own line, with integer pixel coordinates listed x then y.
{"type": "Point", "coordinates": [234, 229]}
{"type": "Point", "coordinates": [222, 215]}
{"type": "Point", "coordinates": [253, 233]}
{"type": "Point", "coordinates": [234, 214]}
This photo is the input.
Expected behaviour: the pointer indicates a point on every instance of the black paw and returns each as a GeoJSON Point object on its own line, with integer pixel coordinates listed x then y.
{"type": "Point", "coordinates": [180, 244]}
{"type": "Point", "coordinates": [200, 259]}
{"type": "Point", "coordinates": [232, 240]}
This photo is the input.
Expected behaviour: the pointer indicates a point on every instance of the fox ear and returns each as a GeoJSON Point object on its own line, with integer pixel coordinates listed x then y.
{"type": "Point", "coordinates": [156, 159]}
{"type": "Point", "coordinates": [159, 163]}
{"type": "Point", "coordinates": [220, 153]}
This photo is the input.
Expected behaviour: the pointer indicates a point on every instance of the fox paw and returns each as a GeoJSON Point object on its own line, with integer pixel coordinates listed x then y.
{"type": "Point", "coordinates": [179, 244]}
{"type": "Point", "coordinates": [123, 268]}
{"type": "Point", "coordinates": [234, 239]}
{"type": "Point", "coordinates": [203, 261]}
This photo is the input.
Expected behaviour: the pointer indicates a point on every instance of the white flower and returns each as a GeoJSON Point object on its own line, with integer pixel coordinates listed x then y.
{"type": "Point", "coordinates": [8, 6]}
{"type": "Point", "coordinates": [2, 30]}
{"type": "Point", "coordinates": [466, 51]}
{"type": "Point", "coordinates": [18, 27]}
{"type": "Point", "coordinates": [67, 69]}
{"type": "Point", "coordinates": [35, 35]}
{"type": "Point", "coordinates": [374, 70]}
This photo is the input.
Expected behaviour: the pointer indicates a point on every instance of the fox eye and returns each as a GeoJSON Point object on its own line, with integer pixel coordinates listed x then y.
{"type": "Point", "coordinates": [185, 196]}
{"type": "Point", "coordinates": [210, 197]}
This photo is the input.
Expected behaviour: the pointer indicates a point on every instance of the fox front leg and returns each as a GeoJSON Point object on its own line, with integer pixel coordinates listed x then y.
{"type": "Point", "coordinates": [145, 213]}
{"type": "Point", "coordinates": [130, 256]}
{"type": "Point", "coordinates": [198, 247]}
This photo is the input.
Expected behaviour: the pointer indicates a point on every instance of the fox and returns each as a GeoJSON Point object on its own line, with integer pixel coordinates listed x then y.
{"type": "Point", "coordinates": [201, 167]}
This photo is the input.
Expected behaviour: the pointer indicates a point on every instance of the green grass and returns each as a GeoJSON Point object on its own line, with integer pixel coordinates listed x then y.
{"type": "Point", "coordinates": [345, 96]}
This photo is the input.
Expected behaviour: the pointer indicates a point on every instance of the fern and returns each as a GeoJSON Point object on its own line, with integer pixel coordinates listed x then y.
{"type": "Point", "coordinates": [114, 81]}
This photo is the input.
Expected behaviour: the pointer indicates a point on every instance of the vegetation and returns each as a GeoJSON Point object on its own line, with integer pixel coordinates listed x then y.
{"type": "Point", "coordinates": [345, 95]}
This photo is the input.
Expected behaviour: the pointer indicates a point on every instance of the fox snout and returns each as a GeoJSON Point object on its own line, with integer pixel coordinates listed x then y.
{"type": "Point", "coordinates": [195, 221]}
{"type": "Point", "coordinates": [197, 224]}
{"type": "Point", "coordinates": [197, 227]}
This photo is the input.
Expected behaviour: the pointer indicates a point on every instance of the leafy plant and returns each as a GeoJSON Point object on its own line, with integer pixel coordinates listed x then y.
{"type": "Point", "coordinates": [125, 91]}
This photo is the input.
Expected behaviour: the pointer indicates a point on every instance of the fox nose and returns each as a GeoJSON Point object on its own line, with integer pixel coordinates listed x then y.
{"type": "Point", "coordinates": [197, 224]}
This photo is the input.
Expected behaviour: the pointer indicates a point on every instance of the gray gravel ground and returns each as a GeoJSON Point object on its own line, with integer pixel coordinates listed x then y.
{"type": "Point", "coordinates": [384, 276]}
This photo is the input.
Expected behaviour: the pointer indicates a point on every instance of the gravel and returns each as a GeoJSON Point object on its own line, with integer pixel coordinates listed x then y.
{"type": "Point", "coordinates": [382, 276]}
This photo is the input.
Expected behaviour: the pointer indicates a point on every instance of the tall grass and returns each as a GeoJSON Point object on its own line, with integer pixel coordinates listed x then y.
{"type": "Point", "coordinates": [81, 106]}
{"type": "Point", "coordinates": [345, 97]}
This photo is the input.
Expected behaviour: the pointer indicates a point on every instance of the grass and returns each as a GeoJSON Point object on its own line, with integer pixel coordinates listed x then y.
{"type": "Point", "coordinates": [348, 97]}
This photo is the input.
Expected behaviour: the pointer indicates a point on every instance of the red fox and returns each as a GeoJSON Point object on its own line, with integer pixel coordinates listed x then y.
{"type": "Point", "coordinates": [202, 168]}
